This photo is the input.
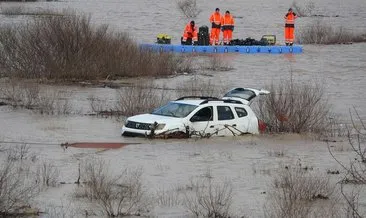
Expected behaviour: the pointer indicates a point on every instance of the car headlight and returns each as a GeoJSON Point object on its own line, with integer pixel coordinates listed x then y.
{"type": "Point", "coordinates": [160, 126]}
{"type": "Point", "coordinates": [126, 122]}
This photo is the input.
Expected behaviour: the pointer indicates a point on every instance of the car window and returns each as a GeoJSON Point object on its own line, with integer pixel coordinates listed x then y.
{"type": "Point", "coordinates": [224, 113]}
{"type": "Point", "coordinates": [241, 93]}
{"type": "Point", "coordinates": [241, 112]}
{"type": "Point", "coordinates": [205, 114]}
{"type": "Point", "coordinates": [174, 109]}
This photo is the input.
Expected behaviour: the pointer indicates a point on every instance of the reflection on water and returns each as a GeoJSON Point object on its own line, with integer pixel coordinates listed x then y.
{"type": "Point", "coordinates": [291, 58]}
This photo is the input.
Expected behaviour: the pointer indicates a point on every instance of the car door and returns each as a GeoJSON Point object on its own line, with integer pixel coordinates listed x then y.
{"type": "Point", "coordinates": [244, 118]}
{"type": "Point", "coordinates": [226, 123]}
{"type": "Point", "coordinates": [202, 121]}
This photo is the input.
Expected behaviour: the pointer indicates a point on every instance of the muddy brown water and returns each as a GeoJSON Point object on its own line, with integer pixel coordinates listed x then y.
{"type": "Point", "coordinates": [249, 162]}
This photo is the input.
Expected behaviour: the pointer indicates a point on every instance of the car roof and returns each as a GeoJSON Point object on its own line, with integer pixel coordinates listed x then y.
{"type": "Point", "coordinates": [190, 101]}
{"type": "Point", "coordinates": [198, 102]}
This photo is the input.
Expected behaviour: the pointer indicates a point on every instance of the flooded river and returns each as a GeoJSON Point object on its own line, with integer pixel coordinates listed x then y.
{"type": "Point", "coordinates": [245, 161]}
{"type": "Point", "coordinates": [340, 68]}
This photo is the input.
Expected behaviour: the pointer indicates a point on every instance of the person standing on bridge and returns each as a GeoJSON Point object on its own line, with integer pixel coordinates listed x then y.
{"type": "Point", "coordinates": [227, 27]}
{"type": "Point", "coordinates": [290, 27]}
{"type": "Point", "coordinates": [215, 20]}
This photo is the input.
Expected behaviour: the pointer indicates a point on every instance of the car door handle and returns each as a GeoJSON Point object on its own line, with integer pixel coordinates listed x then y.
{"type": "Point", "coordinates": [212, 126]}
{"type": "Point", "coordinates": [234, 125]}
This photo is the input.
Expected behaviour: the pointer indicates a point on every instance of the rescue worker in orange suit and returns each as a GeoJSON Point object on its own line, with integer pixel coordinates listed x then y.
{"type": "Point", "coordinates": [215, 19]}
{"type": "Point", "coordinates": [290, 27]}
{"type": "Point", "coordinates": [227, 27]}
{"type": "Point", "coordinates": [190, 34]}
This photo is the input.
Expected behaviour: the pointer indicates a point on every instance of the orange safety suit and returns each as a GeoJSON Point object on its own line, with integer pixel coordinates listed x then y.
{"type": "Point", "coordinates": [227, 23]}
{"type": "Point", "coordinates": [190, 33]}
{"type": "Point", "coordinates": [290, 27]}
{"type": "Point", "coordinates": [215, 19]}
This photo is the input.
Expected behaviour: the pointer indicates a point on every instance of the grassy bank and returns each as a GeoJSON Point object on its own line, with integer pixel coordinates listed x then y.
{"type": "Point", "coordinates": [71, 48]}
{"type": "Point", "coordinates": [320, 32]}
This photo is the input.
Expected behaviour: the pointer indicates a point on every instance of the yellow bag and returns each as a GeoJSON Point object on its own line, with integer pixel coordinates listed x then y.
{"type": "Point", "coordinates": [163, 38]}
{"type": "Point", "coordinates": [271, 39]}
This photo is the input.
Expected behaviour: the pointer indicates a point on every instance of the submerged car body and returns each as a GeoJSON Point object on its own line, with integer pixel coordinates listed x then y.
{"type": "Point", "coordinates": [199, 116]}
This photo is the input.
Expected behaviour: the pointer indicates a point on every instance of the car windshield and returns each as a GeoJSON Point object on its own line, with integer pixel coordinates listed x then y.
{"type": "Point", "coordinates": [174, 109]}
{"type": "Point", "coordinates": [241, 93]}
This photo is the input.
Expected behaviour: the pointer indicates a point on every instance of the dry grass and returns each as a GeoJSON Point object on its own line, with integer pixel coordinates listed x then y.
{"type": "Point", "coordinates": [70, 48]}
{"type": "Point", "coordinates": [169, 198]}
{"type": "Point", "coordinates": [116, 194]}
{"type": "Point", "coordinates": [66, 211]}
{"type": "Point", "coordinates": [16, 10]}
{"type": "Point", "coordinates": [355, 170]}
{"type": "Point", "coordinates": [189, 8]}
{"type": "Point", "coordinates": [296, 192]}
{"type": "Point", "coordinates": [296, 108]}
{"type": "Point", "coordinates": [98, 105]}
{"type": "Point", "coordinates": [12, 10]}
{"type": "Point", "coordinates": [199, 86]}
{"type": "Point", "coordinates": [353, 205]}
{"type": "Point", "coordinates": [186, 64]}
{"type": "Point", "coordinates": [55, 102]}
{"type": "Point", "coordinates": [217, 62]}
{"type": "Point", "coordinates": [47, 174]}
{"type": "Point", "coordinates": [209, 199]}
{"type": "Point", "coordinates": [22, 94]}
{"type": "Point", "coordinates": [18, 153]}
{"type": "Point", "coordinates": [140, 98]}
{"type": "Point", "coordinates": [356, 134]}
{"type": "Point", "coordinates": [320, 32]}
{"type": "Point", "coordinates": [17, 186]}
{"type": "Point", "coordinates": [337, 127]}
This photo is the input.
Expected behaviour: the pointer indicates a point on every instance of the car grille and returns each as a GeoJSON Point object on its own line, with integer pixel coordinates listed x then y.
{"type": "Point", "coordinates": [137, 125]}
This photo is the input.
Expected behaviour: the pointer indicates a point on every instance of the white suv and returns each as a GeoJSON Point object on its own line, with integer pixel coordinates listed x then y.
{"type": "Point", "coordinates": [200, 116]}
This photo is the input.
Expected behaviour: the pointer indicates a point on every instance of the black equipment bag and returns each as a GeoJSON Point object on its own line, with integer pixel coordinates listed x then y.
{"type": "Point", "coordinates": [248, 42]}
{"type": "Point", "coordinates": [187, 42]}
{"type": "Point", "coordinates": [203, 36]}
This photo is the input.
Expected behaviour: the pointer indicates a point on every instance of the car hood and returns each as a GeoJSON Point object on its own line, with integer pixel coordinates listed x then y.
{"type": "Point", "coordinates": [151, 118]}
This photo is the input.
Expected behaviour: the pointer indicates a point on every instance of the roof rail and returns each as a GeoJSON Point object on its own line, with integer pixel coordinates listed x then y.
{"type": "Point", "coordinates": [223, 100]}
{"type": "Point", "coordinates": [198, 97]}
{"type": "Point", "coordinates": [233, 101]}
